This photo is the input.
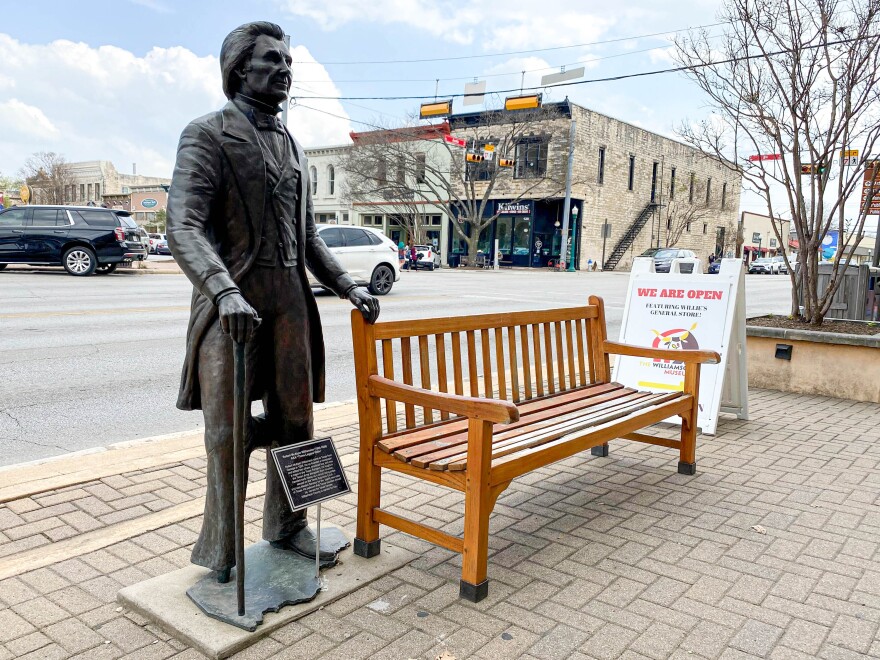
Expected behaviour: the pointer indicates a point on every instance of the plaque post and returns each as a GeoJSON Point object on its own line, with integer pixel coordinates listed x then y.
{"type": "Point", "coordinates": [318, 544]}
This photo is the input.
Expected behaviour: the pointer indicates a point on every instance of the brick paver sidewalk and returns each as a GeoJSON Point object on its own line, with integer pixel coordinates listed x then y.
{"type": "Point", "coordinates": [771, 551]}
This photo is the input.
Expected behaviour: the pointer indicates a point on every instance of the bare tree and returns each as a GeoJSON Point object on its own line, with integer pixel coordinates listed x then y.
{"type": "Point", "coordinates": [50, 177]}
{"type": "Point", "coordinates": [679, 213]}
{"type": "Point", "coordinates": [414, 167]}
{"type": "Point", "coordinates": [797, 78]}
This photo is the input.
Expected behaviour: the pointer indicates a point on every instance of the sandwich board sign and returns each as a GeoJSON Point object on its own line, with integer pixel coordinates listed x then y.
{"type": "Point", "coordinates": [680, 311]}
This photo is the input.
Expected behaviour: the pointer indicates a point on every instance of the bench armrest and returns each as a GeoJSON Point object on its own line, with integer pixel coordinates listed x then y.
{"type": "Point", "coordinates": [490, 410]}
{"type": "Point", "coordinates": [687, 356]}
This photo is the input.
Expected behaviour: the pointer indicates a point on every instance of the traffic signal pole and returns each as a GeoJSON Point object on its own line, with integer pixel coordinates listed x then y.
{"type": "Point", "coordinates": [566, 209]}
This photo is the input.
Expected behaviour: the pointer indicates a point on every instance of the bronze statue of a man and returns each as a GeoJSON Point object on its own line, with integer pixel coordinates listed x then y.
{"type": "Point", "coordinates": [241, 227]}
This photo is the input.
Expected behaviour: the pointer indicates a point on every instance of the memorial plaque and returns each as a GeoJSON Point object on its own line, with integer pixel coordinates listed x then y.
{"type": "Point", "coordinates": [311, 472]}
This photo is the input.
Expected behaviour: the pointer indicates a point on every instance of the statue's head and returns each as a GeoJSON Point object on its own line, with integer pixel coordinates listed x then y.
{"type": "Point", "coordinates": [255, 61]}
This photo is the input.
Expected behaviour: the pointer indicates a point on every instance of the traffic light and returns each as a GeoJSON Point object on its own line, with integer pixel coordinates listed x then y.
{"type": "Point", "coordinates": [505, 162]}
{"type": "Point", "coordinates": [435, 109]}
{"type": "Point", "coordinates": [813, 168]}
{"type": "Point", "coordinates": [475, 158]}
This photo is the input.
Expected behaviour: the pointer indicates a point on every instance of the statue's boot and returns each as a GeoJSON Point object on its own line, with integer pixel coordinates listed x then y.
{"type": "Point", "coordinates": [223, 575]}
{"type": "Point", "coordinates": [304, 542]}
{"type": "Point", "coordinates": [258, 434]}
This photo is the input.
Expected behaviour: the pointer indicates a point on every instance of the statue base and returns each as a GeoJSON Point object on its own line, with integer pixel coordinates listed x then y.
{"type": "Point", "coordinates": [164, 600]}
{"type": "Point", "coordinates": [273, 578]}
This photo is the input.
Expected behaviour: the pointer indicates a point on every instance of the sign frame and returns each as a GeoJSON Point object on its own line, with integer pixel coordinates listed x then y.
{"type": "Point", "coordinates": [298, 447]}
{"type": "Point", "coordinates": [723, 387]}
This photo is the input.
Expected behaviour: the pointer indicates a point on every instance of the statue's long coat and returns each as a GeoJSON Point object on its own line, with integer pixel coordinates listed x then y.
{"type": "Point", "coordinates": [215, 216]}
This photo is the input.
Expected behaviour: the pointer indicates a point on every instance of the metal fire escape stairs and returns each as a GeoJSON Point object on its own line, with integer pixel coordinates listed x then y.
{"type": "Point", "coordinates": [630, 236]}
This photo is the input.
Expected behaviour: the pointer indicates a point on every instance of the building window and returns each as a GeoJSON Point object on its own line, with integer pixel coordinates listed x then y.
{"type": "Point", "coordinates": [382, 171]}
{"type": "Point", "coordinates": [601, 178]}
{"type": "Point", "coordinates": [671, 184]}
{"type": "Point", "coordinates": [632, 172]}
{"type": "Point", "coordinates": [655, 169]}
{"type": "Point", "coordinates": [708, 191]}
{"type": "Point", "coordinates": [724, 195]}
{"type": "Point", "coordinates": [531, 158]}
{"type": "Point", "coordinates": [668, 223]}
{"type": "Point", "coordinates": [98, 192]}
{"type": "Point", "coordinates": [82, 191]}
{"type": "Point", "coordinates": [331, 180]}
{"type": "Point", "coordinates": [313, 175]}
{"type": "Point", "coordinates": [420, 168]}
{"type": "Point", "coordinates": [705, 227]}
{"type": "Point", "coordinates": [401, 170]}
{"type": "Point", "coordinates": [773, 242]}
{"type": "Point", "coordinates": [480, 171]}
{"type": "Point", "coordinates": [693, 185]}
{"type": "Point", "coordinates": [687, 227]}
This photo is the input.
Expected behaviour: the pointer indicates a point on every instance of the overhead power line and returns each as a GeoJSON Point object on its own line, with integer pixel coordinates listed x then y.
{"type": "Point", "coordinates": [640, 74]}
{"type": "Point", "coordinates": [515, 52]}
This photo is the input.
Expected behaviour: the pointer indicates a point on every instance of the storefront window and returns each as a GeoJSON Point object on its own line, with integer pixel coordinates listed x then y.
{"type": "Point", "coordinates": [503, 230]}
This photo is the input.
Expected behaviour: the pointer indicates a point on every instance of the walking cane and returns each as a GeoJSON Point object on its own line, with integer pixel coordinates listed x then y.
{"type": "Point", "coordinates": [239, 469]}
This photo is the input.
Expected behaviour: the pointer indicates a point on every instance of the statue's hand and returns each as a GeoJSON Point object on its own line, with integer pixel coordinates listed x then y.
{"type": "Point", "coordinates": [238, 318]}
{"type": "Point", "coordinates": [367, 305]}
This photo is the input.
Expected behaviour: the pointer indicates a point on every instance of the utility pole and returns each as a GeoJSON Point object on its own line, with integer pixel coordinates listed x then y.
{"type": "Point", "coordinates": [287, 101]}
{"type": "Point", "coordinates": [566, 208]}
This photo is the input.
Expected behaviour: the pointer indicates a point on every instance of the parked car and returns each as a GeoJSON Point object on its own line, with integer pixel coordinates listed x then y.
{"type": "Point", "coordinates": [763, 266]}
{"type": "Point", "coordinates": [650, 252]}
{"type": "Point", "coordinates": [83, 239]}
{"type": "Point", "coordinates": [780, 264]}
{"type": "Point", "coordinates": [426, 257]}
{"type": "Point", "coordinates": [714, 267]}
{"type": "Point", "coordinates": [156, 240]}
{"type": "Point", "coordinates": [663, 259]}
{"type": "Point", "coordinates": [367, 254]}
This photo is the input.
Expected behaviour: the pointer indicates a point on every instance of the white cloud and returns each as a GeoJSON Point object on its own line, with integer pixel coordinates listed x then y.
{"type": "Point", "coordinates": [18, 117]}
{"type": "Point", "coordinates": [106, 103]}
{"type": "Point", "coordinates": [519, 25]}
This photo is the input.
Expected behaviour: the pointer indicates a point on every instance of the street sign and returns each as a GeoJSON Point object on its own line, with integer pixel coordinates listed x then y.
{"type": "Point", "coordinates": [458, 142]}
{"type": "Point", "coordinates": [474, 92]}
{"type": "Point", "coordinates": [849, 157]}
{"type": "Point", "coordinates": [871, 183]}
{"type": "Point", "coordinates": [756, 237]}
{"type": "Point", "coordinates": [310, 472]}
{"type": "Point", "coordinates": [765, 157]}
{"type": "Point", "coordinates": [489, 151]}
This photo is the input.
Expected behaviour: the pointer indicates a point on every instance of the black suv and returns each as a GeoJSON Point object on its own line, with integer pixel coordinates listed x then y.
{"type": "Point", "coordinates": [82, 239]}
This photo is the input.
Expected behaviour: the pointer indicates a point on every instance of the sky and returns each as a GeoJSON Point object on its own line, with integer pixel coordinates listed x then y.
{"type": "Point", "coordinates": [119, 79]}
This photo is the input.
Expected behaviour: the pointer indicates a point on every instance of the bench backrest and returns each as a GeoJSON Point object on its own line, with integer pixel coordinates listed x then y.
{"type": "Point", "coordinates": [514, 356]}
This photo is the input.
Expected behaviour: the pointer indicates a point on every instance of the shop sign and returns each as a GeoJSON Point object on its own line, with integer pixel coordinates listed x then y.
{"type": "Point", "coordinates": [514, 208]}
{"type": "Point", "coordinates": [149, 203]}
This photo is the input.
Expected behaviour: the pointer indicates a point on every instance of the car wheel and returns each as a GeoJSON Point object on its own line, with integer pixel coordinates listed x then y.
{"type": "Point", "coordinates": [381, 281]}
{"type": "Point", "coordinates": [3, 266]}
{"type": "Point", "coordinates": [106, 269]}
{"type": "Point", "coordinates": [79, 261]}
{"type": "Point", "coordinates": [431, 266]}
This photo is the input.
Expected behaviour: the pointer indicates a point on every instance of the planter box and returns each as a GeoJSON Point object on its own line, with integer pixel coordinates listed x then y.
{"type": "Point", "coordinates": [824, 363]}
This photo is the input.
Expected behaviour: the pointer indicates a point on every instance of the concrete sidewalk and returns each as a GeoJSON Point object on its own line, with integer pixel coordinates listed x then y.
{"type": "Point", "coordinates": [771, 551]}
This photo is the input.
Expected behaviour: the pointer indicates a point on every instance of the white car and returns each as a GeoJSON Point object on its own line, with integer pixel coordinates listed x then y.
{"type": "Point", "coordinates": [155, 240]}
{"type": "Point", "coordinates": [367, 254]}
{"type": "Point", "coordinates": [427, 257]}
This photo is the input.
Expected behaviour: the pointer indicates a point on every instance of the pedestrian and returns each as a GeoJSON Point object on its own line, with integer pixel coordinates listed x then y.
{"type": "Point", "coordinates": [413, 256]}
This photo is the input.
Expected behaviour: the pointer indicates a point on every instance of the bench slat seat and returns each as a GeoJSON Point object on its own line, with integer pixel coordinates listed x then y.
{"type": "Point", "coordinates": [527, 389]}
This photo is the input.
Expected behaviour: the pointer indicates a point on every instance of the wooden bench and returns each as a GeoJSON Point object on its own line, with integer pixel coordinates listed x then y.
{"type": "Point", "coordinates": [537, 390]}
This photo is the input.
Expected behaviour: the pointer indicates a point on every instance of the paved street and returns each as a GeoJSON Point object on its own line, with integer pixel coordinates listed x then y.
{"type": "Point", "coordinates": [89, 362]}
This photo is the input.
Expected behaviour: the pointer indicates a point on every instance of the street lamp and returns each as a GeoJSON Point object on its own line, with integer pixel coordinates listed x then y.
{"type": "Point", "coordinates": [574, 224]}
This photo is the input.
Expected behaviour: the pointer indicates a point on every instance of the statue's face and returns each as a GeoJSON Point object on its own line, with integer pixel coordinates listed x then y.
{"type": "Point", "coordinates": [268, 76]}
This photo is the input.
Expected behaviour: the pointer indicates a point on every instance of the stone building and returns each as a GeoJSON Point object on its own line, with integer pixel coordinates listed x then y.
{"type": "Point", "coordinates": [95, 180]}
{"type": "Point", "coordinates": [632, 190]}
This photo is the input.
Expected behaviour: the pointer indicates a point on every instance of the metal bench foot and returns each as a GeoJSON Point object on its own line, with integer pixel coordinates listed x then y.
{"type": "Point", "coordinates": [687, 468]}
{"type": "Point", "coordinates": [601, 450]}
{"type": "Point", "coordinates": [367, 549]}
{"type": "Point", "coordinates": [473, 592]}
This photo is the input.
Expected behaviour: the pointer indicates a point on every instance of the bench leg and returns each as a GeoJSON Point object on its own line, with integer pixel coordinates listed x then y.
{"type": "Point", "coordinates": [478, 503]}
{"type": "Point", "coordinates": [687, 463]}
{"type": "Point", "coordinates": [600, 450]}
{"type": "Point", "coordinates": [367, 542]}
